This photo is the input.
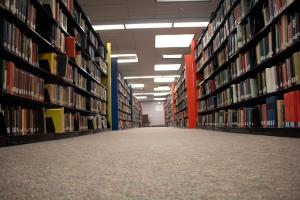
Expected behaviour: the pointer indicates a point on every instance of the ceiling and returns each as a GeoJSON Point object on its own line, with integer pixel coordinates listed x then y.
{"type": "Point", "coordinates": [141, 41]}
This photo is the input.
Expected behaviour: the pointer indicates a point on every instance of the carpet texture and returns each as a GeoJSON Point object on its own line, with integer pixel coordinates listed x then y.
{"type": "Point", "coordinates": [153, 163]}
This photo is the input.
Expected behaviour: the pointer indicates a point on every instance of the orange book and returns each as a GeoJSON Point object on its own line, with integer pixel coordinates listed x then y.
{"type": "Point", "coordinates": [10, 76]}
{"type": "Point", "coordinates": [70, 47]}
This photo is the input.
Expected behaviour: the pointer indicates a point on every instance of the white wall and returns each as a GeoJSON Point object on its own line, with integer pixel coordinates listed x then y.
{"type": "Point", "coordinates": [155, 112]}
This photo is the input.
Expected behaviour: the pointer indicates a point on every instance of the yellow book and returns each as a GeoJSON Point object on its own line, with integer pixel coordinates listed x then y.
{"type": "Point", "coordinates": [280, 113]}
{"type": "Point", "coordinates": [58, 118]}
{"type": "Point", "coordinates": [51, 59]}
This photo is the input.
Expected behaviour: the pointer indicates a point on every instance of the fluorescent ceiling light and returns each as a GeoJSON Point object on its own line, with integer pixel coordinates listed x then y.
{"type": "Point", "coordinates": [164, 80]}
{"type": "Point", "coordinates": [167, 67]}
{"type": "Point", "coordinates": [159, 99]}
{"type": "Point", "coordinates": [150, 77]}
{"type": "Point", "coordinates": [128, 60]}
{"type": "Point", "coordinates": [123, 55]}
{"type": "Point", "coordinates": [108, 27]}
{"type": "Point", "coordinates": [148, 25]}
{"type": "Point", "coordinates": [137, 85]}
{"type": "Point", "coordinates": [166, 1]}
{"type": "Point", "coordinates": [172, 56]}
{"type": "Point", "coordinates": [151, 93]}
{"type": "Point", "coordinates": [190, 24]}
{"type": "Point", "coordinates": [162, 88]}
{"type": "Point", "coordinates": [161, 94]}
{"type": "Point", "coordinates": [168, 41]}
{"type": "Point", "coordinates": [141, 97]}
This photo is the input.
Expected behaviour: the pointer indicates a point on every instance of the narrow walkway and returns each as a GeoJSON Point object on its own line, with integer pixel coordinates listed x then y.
{"type": "Point", "coordinates": [153, 163]}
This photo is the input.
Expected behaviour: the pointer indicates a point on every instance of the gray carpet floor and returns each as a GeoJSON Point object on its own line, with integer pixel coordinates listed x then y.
{"type": "Point", "coordinates": [153, 163]}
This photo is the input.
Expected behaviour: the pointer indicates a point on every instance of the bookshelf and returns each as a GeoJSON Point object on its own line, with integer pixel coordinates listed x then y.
{"type": "Point", "coordinates": [180, 100]}
{"type": "Point", "coordinates": [185, 93]}
{"type": "Point", "coordinates": [169, 107]}
{"type": "Point", "coordinates": [248, 67]}
{"type": "Point", "coordinates": [136, 112]}
{"type": "Point", "coordinates": [121, 99]}
{"type": "Point", "coordinates": [52, 67]}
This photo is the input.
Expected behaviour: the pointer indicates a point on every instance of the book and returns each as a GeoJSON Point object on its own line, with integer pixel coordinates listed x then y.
{"type": "Point", "coordinates": [70, 47]}
{"type": "Point", "coordinates": [57, 118]}
{"type": "Point", "coordinates": [48, 61]}
{"type": "Point", "coordinates": [18, 120]}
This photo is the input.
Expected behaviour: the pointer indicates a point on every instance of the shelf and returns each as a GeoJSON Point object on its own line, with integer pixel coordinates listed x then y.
{"type": "Point", "coordinates": [251, 101]}
{"type": "Point", "coordinates": [268, 62]}
{"type": "Point", "coordinates": [251, 42]}
{"type": "Point", "coordinates": [30, 32]}
{"type": "Point", "coordinates": [25, 139]}
{"type": "Point", "coordinates": [86, 73]}
{"type": "Point", "coordinates": [219, 26]}
{"type": "Point", "coordinates": [181, 110]}
{"type": "Point", "coordinates": [11, 98]}
{"type": "Point", "coordinates": [124, 111]}
{"type": "Point", "coordinates": [279, 132]}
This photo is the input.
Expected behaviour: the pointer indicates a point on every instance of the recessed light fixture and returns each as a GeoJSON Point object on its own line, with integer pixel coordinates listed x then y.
{"type": "Point", "coordinates": [123, 55]}
{"type": "Point", "coordinates": [141, 97]}
{"type": "Point", "coordinates": [161, 94]}
{"type": "Point", "coordinates": [167, 67]}
{"type": "Point", "coordinates": [135, 60]}
{"type": "Point", "coordinates": [169, 41]}
{"type": "Point", "coordinates": [167, 1]}
{"type": "Point", "coordinates": [162, 88]}
{"type": "Point", "coordinates": [164, 80]}
{"type": "Point", "coordinates": [149, 93]}
{"type": "Point", "coordinates": [137, 85]}
{"type": "Point", "coordinates": [150, 77]}
{"type": "Point", "coordinates": [159, 99]}
{"type": "Point", "coordinates": [126, 58]}
{"type": "Point", "coordinates": [148, 25]}
{"type": "Point", "coordinates": [108, 27]}
{"type": "Point", "coordinates": [189, 24]}
{"type": "Point", "coordinates": [172, 56]}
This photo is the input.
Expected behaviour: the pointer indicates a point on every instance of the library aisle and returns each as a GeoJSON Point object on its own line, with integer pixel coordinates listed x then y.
{"type": "Point", "coordinates": [153, 163]}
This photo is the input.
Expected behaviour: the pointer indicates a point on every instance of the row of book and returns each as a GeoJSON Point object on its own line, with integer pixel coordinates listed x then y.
{"type": "Point", "coordinates": [15, 41]}
{"type": "Point", "coordinates": [88, 65]}
{"type": "Point", "coordinates": [124, 108]}
{"type": "Point", "coordinates": [281, 76]}
{"type": "Point", "coordinates": [136, 112]}
{"type": "Point", "coordinates": [168, 108]}
{"type": "Point", "coordinates": [284, 33]}
{"type": "Point", "coordinates": [123, 86]}
{"type": "Point", "coordinates": [239, 10]}
{"type": "Point", "coordinates": [22, 9]}
{"type": "Point", "coordinates": [16, 120]}
{"type": "Point", "coordinates": [19, 82]}
{"type": "Point", "coordinates": [97, 106]}
{"type": "Point", "coordinates": [181, 119]}
{"type": "Point", "coordinates": [124, 116]}
{"type": "Point", "coordinates": [276, 112]}
{"type": "Point", "coordinates": [125, 124]}
{"type": "Point", "coordinates": [255, 23]}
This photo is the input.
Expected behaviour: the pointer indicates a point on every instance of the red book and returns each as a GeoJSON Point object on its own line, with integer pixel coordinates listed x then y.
{"type": "Point", "coordinates": [10, 76]}
{"type": "Point", "coordinates": [287, 110]}
{"type": "Point", "coordinates": [264, 115]}
{"type": "Point", "coordinates": [70, 47]}
{"type": "Point", "coordinates": [298, 108]}
{"type": "Point", "coordinates": [293, 108]}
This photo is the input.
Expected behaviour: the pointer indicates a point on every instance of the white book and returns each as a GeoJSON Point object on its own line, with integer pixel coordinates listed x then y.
{"type": "Point", "coordinates": [254, 88]}
{"type": "Point", "coordinates": [269, 80]}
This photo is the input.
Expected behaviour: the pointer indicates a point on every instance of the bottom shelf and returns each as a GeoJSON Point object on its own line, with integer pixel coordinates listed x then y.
{"type": "Point", "coordinates": [26, 139]}
{"type": "Point", "coordinates": [279, 132]}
